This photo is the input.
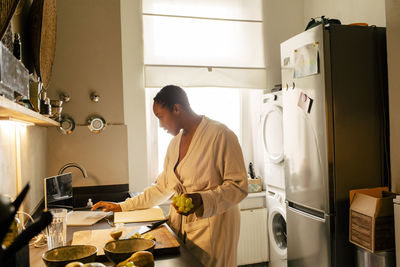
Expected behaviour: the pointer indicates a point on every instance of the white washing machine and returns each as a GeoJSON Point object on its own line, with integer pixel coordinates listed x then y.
{"type": "Point", "coordinates": [272, 135]}
{"type": "Point", "coordinates": [277, 228]}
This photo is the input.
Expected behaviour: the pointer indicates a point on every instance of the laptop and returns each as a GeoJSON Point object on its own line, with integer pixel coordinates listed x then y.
{"type": "Point", "coordinates": [58, 191]}
{"type": "Point", "coordinates": [58, 194]}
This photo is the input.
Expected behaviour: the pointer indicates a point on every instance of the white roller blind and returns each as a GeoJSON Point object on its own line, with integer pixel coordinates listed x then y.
{"type": "Point", "coordinates": [219, 9]}
{"type": "Point", "coordinates": [183, 38]}
{"type": "Point", "coordinates": [158, 76]}
{"type": "Point", "coordinates": [187, 41]}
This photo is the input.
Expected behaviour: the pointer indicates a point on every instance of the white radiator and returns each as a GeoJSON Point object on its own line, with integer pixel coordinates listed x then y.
{"type": "Point", "coordinates": [253, 240]}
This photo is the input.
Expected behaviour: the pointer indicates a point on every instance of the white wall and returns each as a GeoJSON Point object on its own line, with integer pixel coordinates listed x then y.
{"type": "Point", "coordinates": [100, 48]}
{"type": "Point", "coordinates": [88, 58]}
{"type": "Point", "coordinates": [282, 20]}
{"type": "Point", "coordinates": [393, 44]}
{"type": "Point", "coordinates": [347, 11]}
{"type": "Point", "coordinates": [23, 149]}
{"type": "Point", "coordinates": [33, 154]}
{"type": "Point", "coordinates": [22, 160]}
{"type": "Point", "coordinates": [134, 94]}
{"type": "Point", "coordinates": [8, 184]}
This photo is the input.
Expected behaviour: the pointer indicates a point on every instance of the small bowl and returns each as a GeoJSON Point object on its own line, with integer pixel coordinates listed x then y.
{"type": "Point", "coordinates": [61, 256]}
{"type": "Point", "coordinates": [119, 250]}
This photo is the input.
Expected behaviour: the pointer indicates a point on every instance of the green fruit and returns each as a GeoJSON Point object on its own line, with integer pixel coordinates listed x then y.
{"type": "Point", "coordinates": [148, 236]}
{"type": "Point", "coordinates": [183, 204]}
{"type": "Point", "coordinates": [136, 235]}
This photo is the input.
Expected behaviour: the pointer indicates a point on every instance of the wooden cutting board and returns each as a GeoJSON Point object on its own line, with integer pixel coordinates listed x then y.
{"type": "Point", "coordinates": [165, 241]}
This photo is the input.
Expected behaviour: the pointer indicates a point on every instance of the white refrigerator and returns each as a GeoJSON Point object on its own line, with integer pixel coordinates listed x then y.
{"type": "Point", "coordinates": [335, 126]}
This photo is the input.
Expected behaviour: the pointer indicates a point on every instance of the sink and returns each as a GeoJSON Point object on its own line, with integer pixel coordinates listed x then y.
{"type": "Point", "coordinates": [113, 193]}
{"type": "Point", "coordinates": [80, 196]}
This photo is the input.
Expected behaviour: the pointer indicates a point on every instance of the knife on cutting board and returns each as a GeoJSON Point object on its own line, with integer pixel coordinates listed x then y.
{"type": "Point", "coordinates": [146, 228]}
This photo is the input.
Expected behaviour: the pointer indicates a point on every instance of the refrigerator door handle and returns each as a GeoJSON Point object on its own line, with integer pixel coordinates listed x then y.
{"type": "Point", "coordinates": [309, 213]}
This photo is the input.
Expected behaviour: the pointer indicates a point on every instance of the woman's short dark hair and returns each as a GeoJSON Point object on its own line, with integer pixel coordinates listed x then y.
{"type": "Point", "coordinates": [170, 95]}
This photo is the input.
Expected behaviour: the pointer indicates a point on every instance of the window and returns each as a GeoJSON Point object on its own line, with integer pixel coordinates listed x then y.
{"type": "Point", "coordinates": [209, 43]}
{"type": "Point", "coordinates": [214, 50]}
{"type": "Point", "coordinates": [200, 42]}
{"type": "Point", "coordinates": [223, 105]}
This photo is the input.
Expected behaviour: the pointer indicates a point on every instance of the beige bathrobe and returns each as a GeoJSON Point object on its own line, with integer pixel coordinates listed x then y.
{"type": "Point", "coordinates": [213, 166]}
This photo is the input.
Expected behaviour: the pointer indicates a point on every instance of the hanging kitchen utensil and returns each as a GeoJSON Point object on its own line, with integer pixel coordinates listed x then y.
{"type": "Point", "coordinates": [67, 125]}
{"type": "Point", "coordinates": [7, 9]}
{"type": "Point", "coordinates": [96, 124]}
{"type": "Point", "coordinates": [43, 27]}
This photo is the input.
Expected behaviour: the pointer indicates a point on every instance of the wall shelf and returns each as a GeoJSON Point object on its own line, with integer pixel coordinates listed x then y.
{"type": "Point", "coordinates": [11, 109]}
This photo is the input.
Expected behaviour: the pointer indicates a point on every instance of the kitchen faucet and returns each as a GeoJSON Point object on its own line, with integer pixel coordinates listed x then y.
{"type": "Point", "coordinates": [73, 164]}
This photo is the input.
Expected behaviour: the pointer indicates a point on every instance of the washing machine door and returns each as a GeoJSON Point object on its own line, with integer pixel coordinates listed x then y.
{"type": "Point", "coordinates": [272, 132]}
{"type": "Point", "coordinates": [277, 232]}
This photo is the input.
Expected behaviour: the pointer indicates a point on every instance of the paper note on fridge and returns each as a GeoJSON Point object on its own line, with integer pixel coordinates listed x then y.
{"type": "Point", "coordinates": [306, 60]}
{"type": "Point", "coordinates": [305, 102]}
{"type": "Point", "coordinates": [146, 215]}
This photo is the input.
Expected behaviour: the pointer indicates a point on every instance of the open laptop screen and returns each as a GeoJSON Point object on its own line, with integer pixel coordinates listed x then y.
{"type": "Point", "coordinates": [58, 191]}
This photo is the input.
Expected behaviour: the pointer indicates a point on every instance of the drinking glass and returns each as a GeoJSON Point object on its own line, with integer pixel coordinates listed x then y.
{"type": "Point", "coordinates": [56, 231]}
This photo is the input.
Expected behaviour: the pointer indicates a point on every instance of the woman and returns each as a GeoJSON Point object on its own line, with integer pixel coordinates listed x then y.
{"type": "Point", "coordinates": [204, 161]}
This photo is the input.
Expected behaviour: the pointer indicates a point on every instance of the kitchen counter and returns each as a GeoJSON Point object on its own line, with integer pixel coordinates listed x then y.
{"type": "Point", "coordinates": [183, 259]}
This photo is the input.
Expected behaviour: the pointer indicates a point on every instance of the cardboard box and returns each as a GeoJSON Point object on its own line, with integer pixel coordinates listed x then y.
{"type": "Point", "coordinates": [371, 219]}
